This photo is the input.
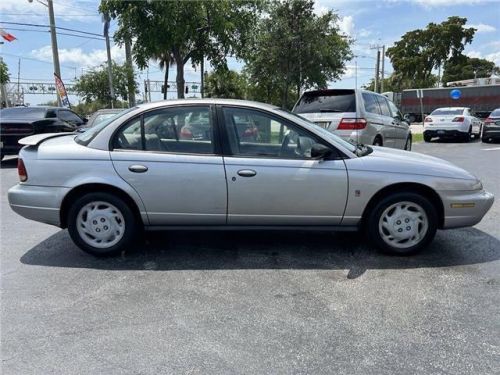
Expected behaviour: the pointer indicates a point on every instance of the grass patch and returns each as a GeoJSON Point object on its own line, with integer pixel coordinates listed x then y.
{"type": "Point", "coordinates": [419, 137]}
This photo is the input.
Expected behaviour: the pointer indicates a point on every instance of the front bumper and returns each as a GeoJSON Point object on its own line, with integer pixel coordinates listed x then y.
{"type": "Point", "coordinates": [39, 203]}
{"type": "Point", "coordinates": [465, 208]}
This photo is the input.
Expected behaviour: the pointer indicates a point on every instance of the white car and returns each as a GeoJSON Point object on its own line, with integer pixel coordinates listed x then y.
{"type": "Point", "coordinates": [452, 122]}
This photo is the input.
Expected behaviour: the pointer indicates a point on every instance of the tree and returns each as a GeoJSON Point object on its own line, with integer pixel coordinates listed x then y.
{"type": "Point", "coordinates": [396, 83]}
{"type": "Point", "coordinates": [94, 85]}
{"type": "Point", "coordinates": [420, 51]}
{"type": "Point", "coordinates": [224, 83]}
{"type": "Point", "coordinates": [4, 73]}
{"type": "Point", "coordinates": [463, 67]}
{"type": "Point", "coordinates": [165, 59]}
{"type": "Point", "coordinates": [295, 49]}
{"type": "Point", "coordinates": [189, 31]}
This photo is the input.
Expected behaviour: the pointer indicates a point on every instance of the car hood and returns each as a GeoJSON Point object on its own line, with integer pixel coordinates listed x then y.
{"type": "Point", "coordinates": [390, 160]}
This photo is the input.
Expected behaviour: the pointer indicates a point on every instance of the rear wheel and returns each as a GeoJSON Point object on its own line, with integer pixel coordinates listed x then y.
{"type": "Point", "coordinates": [377, 141]}
{"type": "Point", "coordinates": [102, 224]}
{"type": "Point", "coordinates": [427, 138]}
{"type": "Point", "coordinates": [402, 223]}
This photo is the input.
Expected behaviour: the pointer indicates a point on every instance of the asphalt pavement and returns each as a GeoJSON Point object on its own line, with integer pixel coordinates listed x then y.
{"type": "Point", "coordinates": [254, 302]}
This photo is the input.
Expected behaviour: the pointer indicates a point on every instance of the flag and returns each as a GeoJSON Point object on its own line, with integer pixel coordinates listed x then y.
{"type": "Point", "coordinates": [8, 37]}
{"type": "Point", "coordinates": [61, 90]}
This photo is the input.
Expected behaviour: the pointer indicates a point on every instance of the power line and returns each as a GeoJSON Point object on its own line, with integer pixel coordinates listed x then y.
{"type": "Point", "coordinates": [57, 27]}
{"type": "Point", "coordinates": [34, 59]}
{"type": "Point", "coordinates": [59, 33]}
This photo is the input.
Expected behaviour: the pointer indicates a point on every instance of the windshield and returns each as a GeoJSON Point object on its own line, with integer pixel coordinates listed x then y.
{"type": "Point", "coordinates": [325, 133]}
{"type": "Point", "coordinates": [23, 113]}
{"type": "Point", "coordinates": [327, 101]}
{"type": "Point", "coordinates": [102, 117]}
{"type": "Point", "coordinates": [447, 112]}
{"type": "Point", "coordinates": [86, 137]}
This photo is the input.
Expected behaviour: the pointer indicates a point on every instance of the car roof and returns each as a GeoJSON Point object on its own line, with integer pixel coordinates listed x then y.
{"type": "Point", "coordinates": [449, 108]}
{"type": "Point", "coordinates": [110, 110]}
{"type": "Point", "coordinates": [206, 101]}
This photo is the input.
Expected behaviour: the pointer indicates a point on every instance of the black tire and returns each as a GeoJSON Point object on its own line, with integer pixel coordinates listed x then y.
{"type": "Point", "coordinates": [377, 141]}
{"type": "Point", "coordinates": [485, 140]}
{"type": "Point", "coordinates": [131, 224]}
{"type": "Point", "coordinates": [427, 138]}
{"type": "Point", "coordinates": [408, 144]}
{"type": "Point", "coordinates": [374, 217]}
{"type": "Point", "coordinates": [467, 137]}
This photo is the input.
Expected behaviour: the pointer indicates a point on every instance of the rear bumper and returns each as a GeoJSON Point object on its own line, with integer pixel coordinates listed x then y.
{"type": "Point", "coordinates": [491, 133]}
{"type": "Point", "coordinates": [39, 203]}
{"type": "Point", "coordinates": [476, 205]}
{"type": "Point", "coordinates": [448, 133]}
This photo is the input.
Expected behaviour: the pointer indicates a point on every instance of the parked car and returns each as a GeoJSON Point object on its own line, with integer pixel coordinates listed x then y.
{"type": "Point", "coordinates": [357, 116]}
{"type": "Point", "coordinates": [491, 127]}
{"type": "Point", "coordinates": [106, 184]}
{"type": "Point", "coordinates": [19, 122]}
{"type": "Point", "coordinates": [452, 122]}
{"type": "Point", "coordinates": [101, 115]}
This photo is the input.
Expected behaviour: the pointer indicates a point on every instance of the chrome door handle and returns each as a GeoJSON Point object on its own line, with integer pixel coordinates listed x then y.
{"type": "Point", "coordinates": [138, 168]}
{"type": "Point", "coordinates": [247, 172]}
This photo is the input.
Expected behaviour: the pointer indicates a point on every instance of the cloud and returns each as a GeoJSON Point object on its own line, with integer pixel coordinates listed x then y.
{"type": "Point", "coordinates": [446, 3]}
{"type": "Point", "coordinates": [483, 28]}
{"type": "Point", "coordinates": [494, 56]}
{"type": "Point", "coordinates": [346, 25]}
{"type": "Point", "coordinates": [78, 57]}
{"type": "Point", "coordinates": [65, 10]}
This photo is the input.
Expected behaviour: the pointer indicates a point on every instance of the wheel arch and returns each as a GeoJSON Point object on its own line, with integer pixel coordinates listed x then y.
{"type": "Point", "coordinates": [407, 187]}
{"type": "Point", "coordinates": [80, 190]}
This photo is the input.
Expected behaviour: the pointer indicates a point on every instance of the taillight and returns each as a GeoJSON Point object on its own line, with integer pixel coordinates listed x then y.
{"type": "Point", "coordinates": [428, 119]}
{"type": "Point", "coordinates": [186, 134]}
{"type": "Point", "coordinates": [352, 124]}
{"type": "Point", "coordinates": [21, 170]}
{"type": "Point", "coordinates": [489, 121]}
{"type": "Point", "coordinates": [458, 119]}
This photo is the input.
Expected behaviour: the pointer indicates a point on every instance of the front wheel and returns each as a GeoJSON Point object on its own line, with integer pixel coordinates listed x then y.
{"type": "Point", "coordinates": [102, 224]}
{"type": "Point", "coordinates": [402, 223]}
{"type": "Point", "coordinates": [408, 144]}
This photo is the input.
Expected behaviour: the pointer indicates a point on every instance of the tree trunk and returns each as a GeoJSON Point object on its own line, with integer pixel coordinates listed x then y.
{"type": "Point", "coordinates": [180, 75]}
{"type": "Point", "coordinates": [165, 83]}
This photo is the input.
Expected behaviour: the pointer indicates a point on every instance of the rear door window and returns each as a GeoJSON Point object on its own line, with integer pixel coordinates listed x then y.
{"type": "Point", "coordinates": [327, 101]}
{"type": "Point", "coordinates": [384, 107]}
{"type": "Point", "coordinates": [371, 103]}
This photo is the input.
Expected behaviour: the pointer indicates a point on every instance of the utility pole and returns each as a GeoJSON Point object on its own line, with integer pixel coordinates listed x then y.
{"type": "Point", "coordinates": [382, 81]}
{"type": "Point", "coordinates": [202, 68]}
{"type": "Point", "coordinates": [18, 80]}
{"type": "Point", "coordinates": [130, 76]}
{"type": "Point", "coordinates": [377, 70]}
{"type": "Point", "coordinates": [108, 51]}
{"type": "Point", "coordinates": [55, 50]}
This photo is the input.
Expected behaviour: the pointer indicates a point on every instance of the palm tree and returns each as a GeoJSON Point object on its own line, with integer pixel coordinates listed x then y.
{"type": "Point", "coordinates": [165, 59]}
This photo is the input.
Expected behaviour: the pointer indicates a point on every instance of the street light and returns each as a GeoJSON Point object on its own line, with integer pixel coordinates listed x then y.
{"type": "Point", "coordinates": [53, 36]}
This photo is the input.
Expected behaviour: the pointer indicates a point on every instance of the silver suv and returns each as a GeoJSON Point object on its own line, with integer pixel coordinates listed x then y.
{"type": "Point", "coordinates": [358, 116]}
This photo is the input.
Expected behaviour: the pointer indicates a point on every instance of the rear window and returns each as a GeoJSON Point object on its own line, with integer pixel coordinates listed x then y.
{"type": "Point", "coordinates": [448, 112]}
{"type": "Point", "coordinates": [327, 101]}
{"type": "Point", "coordinates": [495, 113]}
{"type": "Point", "coordinates": [22, 113]}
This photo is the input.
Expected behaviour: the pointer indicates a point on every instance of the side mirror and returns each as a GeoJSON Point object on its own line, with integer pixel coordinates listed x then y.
{"type": "Point", "coordinates": [406, 117]}
{"type": "Point", "coordinates": [85, 120]}
{"type": "Point", "coordinates": [319, 151]}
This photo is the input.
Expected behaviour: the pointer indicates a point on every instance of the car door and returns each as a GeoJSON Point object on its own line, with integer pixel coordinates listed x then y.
{"type": "Point", "coordinates": [180, 179]}
{"type": "Point", "coordinates": [401, 127]}
{"type": "Point", "coordinates": [377, 123]}
{"type": "Point", "coordinates": [272, 178]}
{"type": "Point", "coordinates": [390, 125]}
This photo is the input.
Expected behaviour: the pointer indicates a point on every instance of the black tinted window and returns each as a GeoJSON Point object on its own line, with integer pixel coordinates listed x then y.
{"type": "Point", "coordinates": [327, 101]}
{"type": "Point", "coordinates": [69, 117]}
{"type": "Point", "coordinates": [371, 103]}
{"type": "Point", "coordinates": [31, 113]}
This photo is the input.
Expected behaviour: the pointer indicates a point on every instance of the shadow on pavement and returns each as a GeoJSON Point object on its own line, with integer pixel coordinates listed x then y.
{"type": "Point", "coordinates": [218, 250]}
{"type": "Point", "coordinates": [9, 162]}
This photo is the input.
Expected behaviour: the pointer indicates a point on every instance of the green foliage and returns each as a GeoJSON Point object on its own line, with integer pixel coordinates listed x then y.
{"type": "Point", "coordinates": [463, 67]}
{"type": "Point", "coordinates": [396, 83]}
{"type": "Point", "coordinates": [420, 51]}
{"type": "Point", "coordinates": [86, 109]}
{"type": "Point", "coordinates": [188, 30]}
{"type": "Point", "coordinates": [225, 83]}
{"type": "Point", "coordinates": [4, 73]}
{"type": "Point", "coordinates": [294, 49]}
{"type": "Point", "coordinates": [94, 85]}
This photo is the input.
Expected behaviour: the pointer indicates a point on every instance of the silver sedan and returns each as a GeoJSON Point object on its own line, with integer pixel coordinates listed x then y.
{"type": "Point", "coordinates": [143, 169]}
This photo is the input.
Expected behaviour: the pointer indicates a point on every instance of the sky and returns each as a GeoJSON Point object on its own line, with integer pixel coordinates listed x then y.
{"type": "Point", "coordinates": [368, 22]}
